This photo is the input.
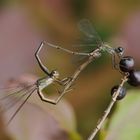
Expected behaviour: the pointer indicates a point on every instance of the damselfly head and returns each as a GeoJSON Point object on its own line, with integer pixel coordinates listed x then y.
{"type": "Point", "coordinates": [55, 74]}
{"type": "Point", "coordinates": [119, 51]}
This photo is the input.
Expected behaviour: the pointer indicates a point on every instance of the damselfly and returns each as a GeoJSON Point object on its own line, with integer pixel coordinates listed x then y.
{"type": "Point", "coordinates": [94, 40]}
{"type": "Point", "coordinates": [53, 76]}
{"type": "Point", "coordinates": [25, 91]}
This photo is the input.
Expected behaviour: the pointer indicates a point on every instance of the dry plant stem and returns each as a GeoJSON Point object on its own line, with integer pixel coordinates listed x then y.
{"type": "Point", "coordinates": [107, 111]}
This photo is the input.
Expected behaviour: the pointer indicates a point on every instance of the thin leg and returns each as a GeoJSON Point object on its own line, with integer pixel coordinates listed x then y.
{"type": "Point", "coordinates": [44, 68]}
{"type": "Point", "coordinates": [43, 98]}
{"type": "Point", "coordinates": [70, 89]}
{"type": "Point", "coordinates": [54, 101]}
{"type": "Point", "coordinates": [66, 50]}
{"type": "Point", "coordinates": [114, 64]}
{"type": "Point", "coordinates": [111, 51]}
{"type": "Point", "coordinates": [65, 81]}
{"type": "Point", "coordinates": [56, 88]}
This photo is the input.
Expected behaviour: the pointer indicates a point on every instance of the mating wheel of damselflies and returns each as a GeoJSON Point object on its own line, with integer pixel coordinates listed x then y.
{"type": "Point", "coordinates": [125, 65]}
{"type": "Point", "coordinates": [53, 76]}
{"type": "Point", "coordinates": [86, 27]}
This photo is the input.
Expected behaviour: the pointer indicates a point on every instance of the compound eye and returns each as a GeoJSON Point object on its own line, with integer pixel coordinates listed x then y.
{"type": "Point", "coordinates": [120, 50]}
{"type": "Point", "coordinates": [55, 72]}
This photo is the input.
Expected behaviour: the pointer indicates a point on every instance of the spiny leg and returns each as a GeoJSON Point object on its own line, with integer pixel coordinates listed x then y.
{"type": "Point", "coordinates": [114, 64]}
{"type": "Point", "coordinates": [44, 68]}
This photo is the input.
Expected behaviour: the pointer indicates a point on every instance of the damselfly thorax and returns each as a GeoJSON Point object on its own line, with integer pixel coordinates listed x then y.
{"type": "Point", "coordinates": [46, 81]}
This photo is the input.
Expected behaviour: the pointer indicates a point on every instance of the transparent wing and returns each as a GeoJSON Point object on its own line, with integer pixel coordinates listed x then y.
{"type": "Point", "coordinates": [78, 60]}
{"type": "Point", "coordinates": [86, 43]}
{"type": "Point", "coordinates": [12, 99]}
{"type": "Point", "coordinates": [89, 40]}
{"type": "Point", "coordinates": [86, 27]}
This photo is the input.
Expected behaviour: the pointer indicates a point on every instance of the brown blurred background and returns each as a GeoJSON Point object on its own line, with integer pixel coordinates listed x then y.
{"type": "Point", "coordinates": [25, 23]}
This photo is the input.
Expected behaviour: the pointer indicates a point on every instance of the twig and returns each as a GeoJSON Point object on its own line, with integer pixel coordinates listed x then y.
{"type": "Point", "coordinates": [107, 111]}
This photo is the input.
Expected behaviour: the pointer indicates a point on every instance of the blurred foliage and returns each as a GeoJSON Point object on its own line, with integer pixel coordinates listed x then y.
{"type": "Point", "coordinates": [125, 122]}
{"type": "Point", "coordinates": [80, 7]}
{"type": "Point", "coordinates": [3, 2]}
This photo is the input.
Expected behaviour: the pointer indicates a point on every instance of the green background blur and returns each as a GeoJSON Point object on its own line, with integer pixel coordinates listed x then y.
{"type": "Point", "coordinates": [116, 21]}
